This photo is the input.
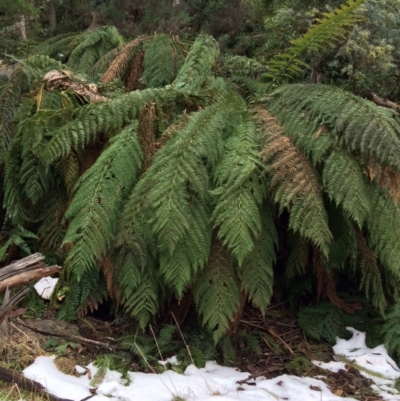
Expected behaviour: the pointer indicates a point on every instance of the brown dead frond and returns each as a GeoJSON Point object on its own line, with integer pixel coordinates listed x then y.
{"type": "Point", "coordinates": [321, 130]}
{"type": "Point", "coordinates": [113, 289]}
{"type": "Point", "coordinates": [326, 287]}
{"type": "Point", "coordinates": [90, 305]}
{"type": "Point", "coordinates": [290, 169]}
{"type": "Point", "coordinates": [132, 81]}
{"type": "Point", "coordinates": [120, 64]}
{"type": "Point", "coordinates": [385, 177]}
{"type": "Point", "coordinates": [56, 79]}
{"type": "Point", "coordinates": [146, 133]}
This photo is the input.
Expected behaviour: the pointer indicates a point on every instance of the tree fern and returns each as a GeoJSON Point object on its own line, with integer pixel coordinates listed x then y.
{"type": "Point", "coordinates": [97, 200]}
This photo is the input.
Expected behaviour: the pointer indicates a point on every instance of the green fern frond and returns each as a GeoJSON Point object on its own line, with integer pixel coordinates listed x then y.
{"type": "Point", "coordinates": [141, 291]}
{"type": "Point", "coordinates": [371, 279]}
{"type": "Point", "coordinates": [68, 167]}
{"type": "Point", "coordinates": [299, 255]}
{"type": "Point", "coordinates": [178, 174]}
{"type": "Point", "coordinates": [345, 183]}
{"type": "Point", "coordinates": [322, 321]}
{"type": "Point", "coordinates": [58, 45]}
{"type": "Point", "coordinates": [240, 190]}
{"type": "Point", "coordinates": [295, 183]}
{"type": "Point", "coordinates": [97, 200]}
{"type": "Point", "coordinates": [13, 200]}
{"type": "Point", "coordinates": [360, 125]}
{"type": "Point", "coordinates": [391, 330]}
{"type": "Point", "coordinates": [343, 251]}
{"type": "Point", "coordinates": [93, 46]}
{"type": "Point", "coordinates": [34, 179]}
{"type": "Point", "coordinates": [159, 64]}
{"type": "Point", "coordinates": [17, 236]}
{"type": "Point", "coordinates": [190, 255]}
{"type": "Point", "coordinates": [106, 117]}
{"type": "Point", "coordinates": [217, 292]}
{"type": "Point", "coordinates": [89, 288]}
{"type": "Point", "coordinates": [51, 232]}
{"type": "Point", "coordinates": [36, 66]}
{"type": "Point", "coordinates": [324, 34]}
{"type": "Point", "coordinates": [256, 272]}
{"type": "Point", "coordinates": [197, 66]}
{"type": "Point", "coordinates": [384, 231]}
{"type": "Point", "coordinates": [10, 101]}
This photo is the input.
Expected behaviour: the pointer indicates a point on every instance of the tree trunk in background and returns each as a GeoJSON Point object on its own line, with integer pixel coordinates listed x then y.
{"type": "Point", "coordinates": [52, 16]}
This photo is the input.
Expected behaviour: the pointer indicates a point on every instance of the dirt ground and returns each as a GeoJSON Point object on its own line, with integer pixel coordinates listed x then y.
{"type": "Point", "coordinates": [283, 349]}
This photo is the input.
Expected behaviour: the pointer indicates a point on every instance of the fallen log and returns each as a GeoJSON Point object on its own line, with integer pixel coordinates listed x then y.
{"type": "Point", "coordinates": [25, 270]}
{"type": "Point", "coordinates": [27, 384]}
{"type": "Point", "coordinates": [385, 102]}
{"type": "Point", "coordinates": [111, 346]}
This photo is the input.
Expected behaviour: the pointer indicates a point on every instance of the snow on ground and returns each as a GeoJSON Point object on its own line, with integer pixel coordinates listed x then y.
{"type": "Point", "coordinates": [374, 364]}
{"type": "Point", "coordinates": [215, 382]}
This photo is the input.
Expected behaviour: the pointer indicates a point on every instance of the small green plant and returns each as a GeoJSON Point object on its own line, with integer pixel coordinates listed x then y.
{"type": "Point", "coordinates": [59, 348]}
{"type": "Point", "coordinates": [33, 304]}
{"type": "Point", "coordinates": [299, 365]}
{"type": "Point", "coordinates": [119, 361]}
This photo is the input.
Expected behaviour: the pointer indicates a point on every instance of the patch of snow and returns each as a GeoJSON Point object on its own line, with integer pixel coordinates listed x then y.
{"type": "Point", "coordinates": [218, 382]}
{"type": "Point", "coordinates": [333, 366]}
{"type": "Point", "coordinates": [172, 361]}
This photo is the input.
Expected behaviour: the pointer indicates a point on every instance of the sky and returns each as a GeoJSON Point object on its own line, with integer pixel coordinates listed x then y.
{"type": "Point", "coordinates": [219, 383]}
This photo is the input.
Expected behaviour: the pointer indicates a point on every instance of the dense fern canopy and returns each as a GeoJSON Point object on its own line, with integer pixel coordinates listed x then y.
{"type": "Point", "coordinates": [154, 180]}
